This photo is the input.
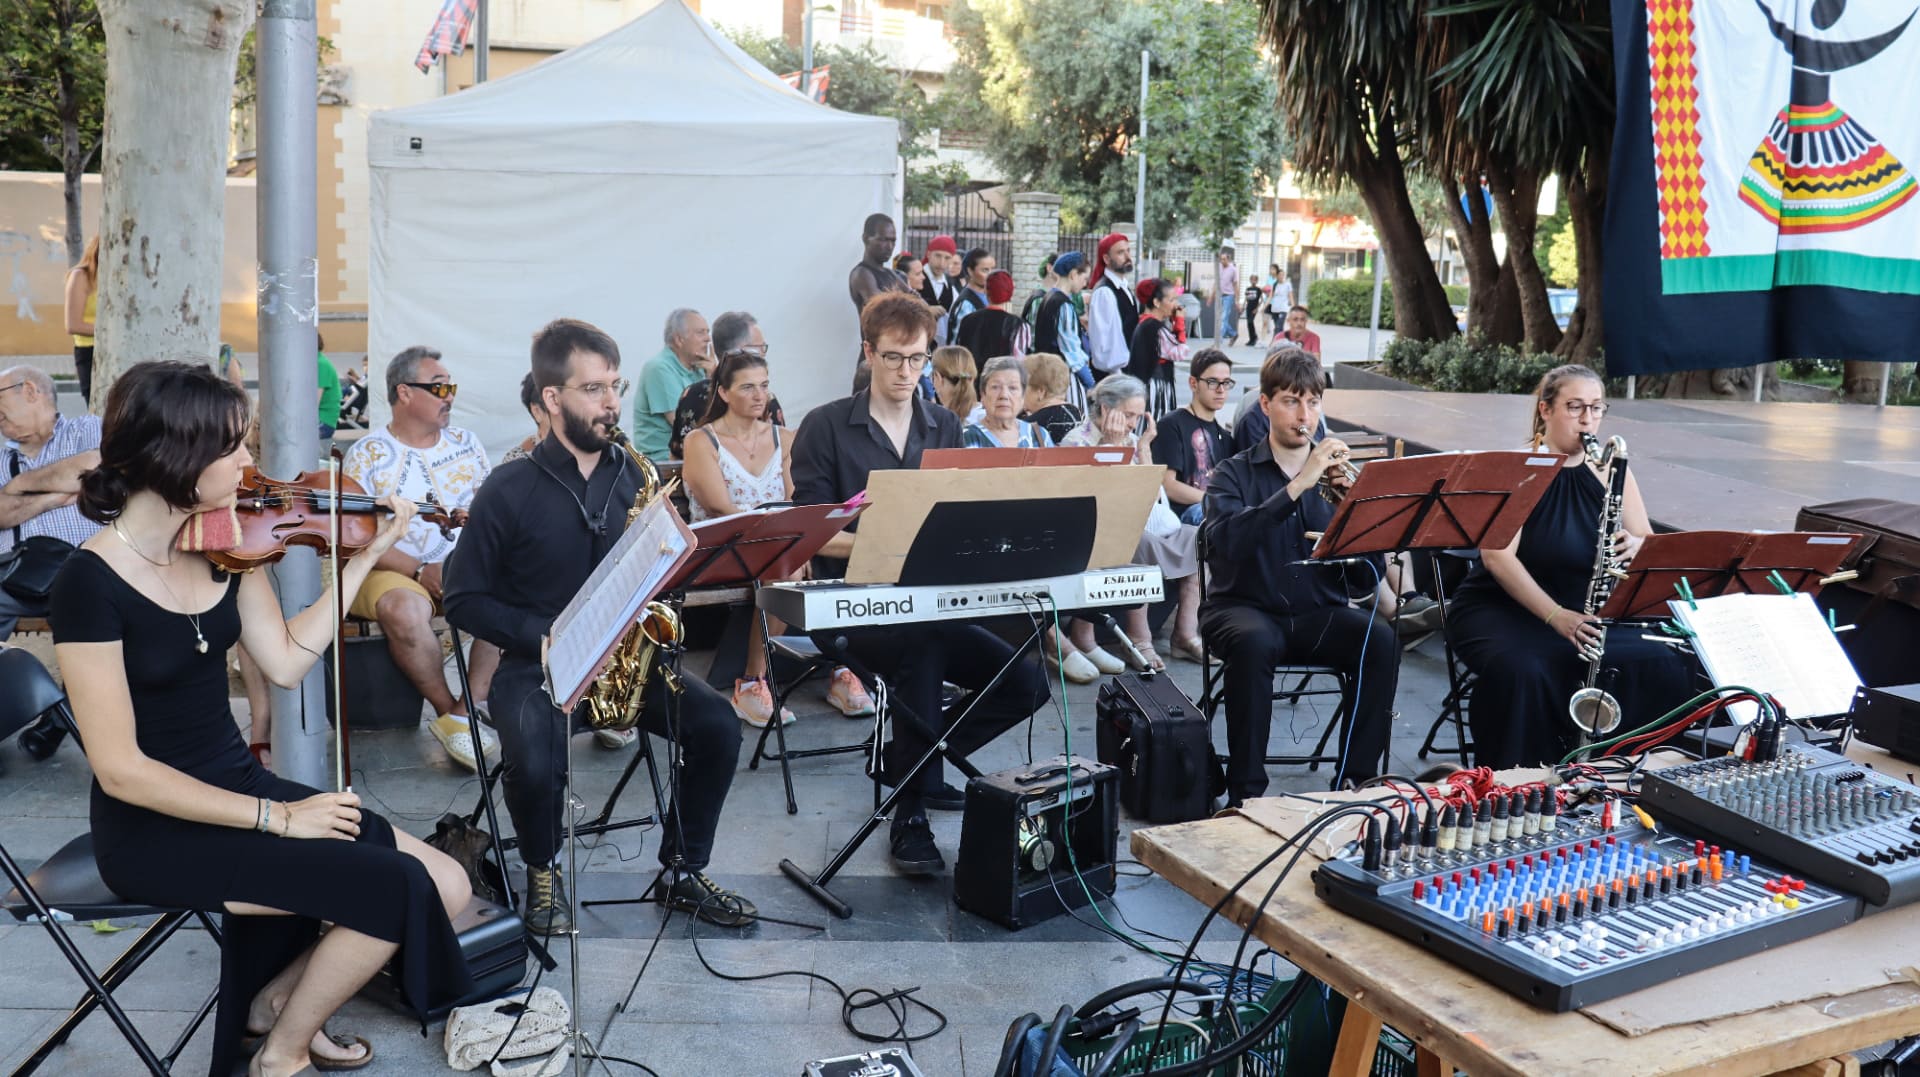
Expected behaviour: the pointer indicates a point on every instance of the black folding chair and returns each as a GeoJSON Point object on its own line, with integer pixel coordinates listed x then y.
{"type": "Point", "coordinates": [1460, 679]}
{"type": "Point", "coordinates": [804, 658]}
{"type": "Point", "coordinates": [70, 882]}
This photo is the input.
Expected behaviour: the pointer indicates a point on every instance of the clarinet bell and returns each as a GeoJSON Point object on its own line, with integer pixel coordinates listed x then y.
{"type": "Point", "coordinates": [1594, 711]}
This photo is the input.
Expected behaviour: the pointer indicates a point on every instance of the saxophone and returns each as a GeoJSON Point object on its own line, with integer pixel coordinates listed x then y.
{"type": "Point", "coordinates": [1593, 709]}
{"type": "Point", "coordinates": [616, 698]}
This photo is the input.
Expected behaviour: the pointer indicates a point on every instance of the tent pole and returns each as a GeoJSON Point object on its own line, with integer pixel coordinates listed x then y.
{"type": "Point", "coordinates": [1140, 184]}
{"type": "Point", "coordinates": [480, 39]}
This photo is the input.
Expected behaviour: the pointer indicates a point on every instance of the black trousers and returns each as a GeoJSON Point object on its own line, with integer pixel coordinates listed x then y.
{"type": "Point", "coordinates": [534, 748]}
{"type": "Point", "coordinates": [83, 369]}
{"type": "Point", "coordinates": [1253, 323]}
{"type": "Point", "coordinates": [914, 660]}
{"type": "Point", "coordinates": [1252, 641]}
{"type": "Point", "coordinates": [1528, 674]}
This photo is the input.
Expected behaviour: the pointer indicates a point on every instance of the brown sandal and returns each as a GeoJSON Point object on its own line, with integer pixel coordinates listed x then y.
{"type": "Point", "coordinates": [327, 1065]}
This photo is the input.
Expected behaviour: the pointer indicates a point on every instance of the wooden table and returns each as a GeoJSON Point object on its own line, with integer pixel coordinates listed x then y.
{"type": "Point", "coordinates": [1458, 1020]}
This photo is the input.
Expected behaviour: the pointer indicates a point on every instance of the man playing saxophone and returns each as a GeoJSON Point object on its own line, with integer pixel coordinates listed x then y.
{"type": "Point", "coordinates": [538, 527]}
{"type": "Point", "coordinates": [1521, 620]}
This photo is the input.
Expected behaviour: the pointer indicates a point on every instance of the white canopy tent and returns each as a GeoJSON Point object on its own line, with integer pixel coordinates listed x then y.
{"type": "Point", "coordinates": [656, 167]}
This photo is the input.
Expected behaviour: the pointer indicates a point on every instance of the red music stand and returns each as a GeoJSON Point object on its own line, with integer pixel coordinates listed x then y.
{"type": "Point", "coordinates": [1707, 564]}
{"type": "Point", "coordinates": [750, 547]}
{"type": "Point", "coordinates": [1442, 501]}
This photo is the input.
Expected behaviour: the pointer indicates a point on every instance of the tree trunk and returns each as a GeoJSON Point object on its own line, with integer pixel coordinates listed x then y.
{"type": "Point", "coordinates": [1860, 381]}
{"type": "Point", "coordinates": [72, 162]}
{"type": "Point", "coordinates": [1493, 305]}
{"type": "Point", "coordinates": [170, 66]}
{"type": "Point", "coordinates": [1516, 195]}
{"type": "Point", "coordinates": [1420, 310]}
{"type": "Point", "coordinates": [1585, 210]}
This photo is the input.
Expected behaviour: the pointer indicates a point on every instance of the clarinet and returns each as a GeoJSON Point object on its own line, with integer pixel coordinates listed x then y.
{"type": "Point", "coordinates": [1593, 709]}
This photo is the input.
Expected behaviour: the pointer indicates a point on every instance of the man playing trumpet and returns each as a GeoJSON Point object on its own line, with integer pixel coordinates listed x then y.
{"type": "Point", "coordinates": [1264, 608]}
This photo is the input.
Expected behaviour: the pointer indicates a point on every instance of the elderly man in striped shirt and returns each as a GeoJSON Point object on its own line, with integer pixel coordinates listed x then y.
{"type": "Point", "coordinates": [40, 465]}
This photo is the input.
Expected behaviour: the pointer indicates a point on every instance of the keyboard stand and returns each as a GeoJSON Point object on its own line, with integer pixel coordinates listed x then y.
{"type": "Point", "coordinates": [816, 884]}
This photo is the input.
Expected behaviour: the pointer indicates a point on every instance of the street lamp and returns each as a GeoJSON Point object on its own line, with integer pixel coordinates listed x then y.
{"type": "Point", "coordinates": [806, 47]}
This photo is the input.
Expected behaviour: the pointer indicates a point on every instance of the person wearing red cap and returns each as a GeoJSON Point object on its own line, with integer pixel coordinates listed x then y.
{"type": "Point", "coordinates": [1155, 351]}
{"type": "Point", "coordinates": [995, 331]}
{"type": "Point", "coordinates": [1112, 309]}
{"type": "Point", "coordinates": [939, 288]}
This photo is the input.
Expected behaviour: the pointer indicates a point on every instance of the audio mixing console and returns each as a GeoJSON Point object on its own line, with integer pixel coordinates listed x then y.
{"type": "Point", "coordinates": [1573, 911]}
{"type": "Point", "coordinates": [1816, 812]}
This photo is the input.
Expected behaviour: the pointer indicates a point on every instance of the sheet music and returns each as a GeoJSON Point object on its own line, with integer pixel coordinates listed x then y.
{"type": "Point", "coordinates": [611, 599]}
{"type": "Point", "coordinates": [1778, 644]}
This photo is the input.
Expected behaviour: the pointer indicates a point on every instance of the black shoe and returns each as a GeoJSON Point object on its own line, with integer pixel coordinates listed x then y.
{"type": "Point", "coordinates": [945, 798]}
{"type": "Point", "coordinates": [701, 896]}
{"type": "Point", "coordinates": [547, 911]}
{"type": "Point", "coordinates": [914, 852]}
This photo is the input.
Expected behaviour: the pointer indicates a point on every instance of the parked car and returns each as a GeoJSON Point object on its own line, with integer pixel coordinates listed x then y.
{"type": "Point", "coordinates": [1562, 301]}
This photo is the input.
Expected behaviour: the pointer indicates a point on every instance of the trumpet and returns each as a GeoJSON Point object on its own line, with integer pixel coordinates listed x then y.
{"type": "Point", "coordinates": [1342, 464]}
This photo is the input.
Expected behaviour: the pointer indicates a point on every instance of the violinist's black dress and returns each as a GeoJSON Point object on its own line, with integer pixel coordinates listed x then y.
{"type": "Point", "coordinates": [182, 719]}
{"type": "Point", "coordinates": [1527, 671]}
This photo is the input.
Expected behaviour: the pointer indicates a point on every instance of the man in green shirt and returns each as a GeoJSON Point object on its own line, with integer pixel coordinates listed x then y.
{"type": "Point", "coordinates": [329, 398]}
{"type": "Point", "coordinates": [687, 358]}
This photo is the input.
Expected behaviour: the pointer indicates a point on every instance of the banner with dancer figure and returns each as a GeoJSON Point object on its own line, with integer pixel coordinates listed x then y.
{"type": "Point", "coordinates": [1763, 191]}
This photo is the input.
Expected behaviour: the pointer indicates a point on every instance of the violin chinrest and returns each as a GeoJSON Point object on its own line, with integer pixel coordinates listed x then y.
{"type": "Point", "coordinates": [214, 530]}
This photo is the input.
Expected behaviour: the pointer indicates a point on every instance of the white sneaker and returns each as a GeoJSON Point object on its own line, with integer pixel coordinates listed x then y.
{"type": "Point", "coordinates": [848, 696]}
{"type": "Point", "coordinates": [1103, 661]}
{"type": "Point", "coordinates": [614, 739]}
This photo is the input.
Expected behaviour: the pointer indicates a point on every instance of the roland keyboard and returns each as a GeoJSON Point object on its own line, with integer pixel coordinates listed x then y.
{"type": "Point", "coordinates": [820, 605]}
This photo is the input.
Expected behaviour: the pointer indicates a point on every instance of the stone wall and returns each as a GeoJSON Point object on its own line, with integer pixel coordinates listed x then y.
{"type": "Point", "coordinates": [1036, 235]}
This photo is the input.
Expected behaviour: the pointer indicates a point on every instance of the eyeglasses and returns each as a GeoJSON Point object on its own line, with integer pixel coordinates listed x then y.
{"type": "Point", "coordinates": [895, 360]}
{"type": "Point", "coordinates": [1580, 408]}
{"type": "Point", "coordinates": [618, 387]}
{"type": "Point", "coordinates": [442, 389]}
{"type": "Point", "coordinates": [758, 351]}
{"type": "Point", "coordinates": [15, 385]}
{"type": "Point", "coordinates": [1218, 383]}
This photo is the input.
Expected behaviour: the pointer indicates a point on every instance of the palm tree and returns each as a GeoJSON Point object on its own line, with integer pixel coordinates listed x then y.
{"type": "Point", "coordinates": [1356, 93]}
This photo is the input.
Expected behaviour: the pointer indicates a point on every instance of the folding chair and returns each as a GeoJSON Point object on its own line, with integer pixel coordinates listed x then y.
{"type": "Point", "coordinates": [70, 882]}
{"type": "Point", "coordinates": [1460, 679]}
{"type": "Point", "coordinates": [803, 653]}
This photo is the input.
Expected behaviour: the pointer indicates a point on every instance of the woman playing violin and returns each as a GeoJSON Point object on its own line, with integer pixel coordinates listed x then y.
{"type": "Point", "coordinates": [182, 815]}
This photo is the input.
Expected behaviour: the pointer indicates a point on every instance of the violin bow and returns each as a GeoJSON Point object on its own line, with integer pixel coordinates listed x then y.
{"type": "Point", "coordinates": [341, 765]}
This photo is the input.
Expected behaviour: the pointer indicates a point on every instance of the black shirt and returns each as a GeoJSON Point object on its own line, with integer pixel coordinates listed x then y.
{"type": "Point", "coordinates": [1191, 447]}
{"type": "Point", "coordinates": [1057, 419]}
{"type": "Point", "coordinates": [1046, 330]}
{"type": "Point", "coordinates": [534, 533]}
{"type": "Point", "coordinates": [1143, 352]}
{"type": "Point", "coordinates": [1556, 544]}
{"type": "Point", "coordinates": [839, 444]}
{"type": "Point", "coordinates": [1254, 529]}
{"type": "Point", "coordinates": [989, 334]}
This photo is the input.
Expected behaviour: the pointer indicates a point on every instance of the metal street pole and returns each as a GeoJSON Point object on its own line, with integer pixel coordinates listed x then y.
{"type": "Point", "coordinates": [806, 49]}
{"type": "Point", "coordinates": [289, 309]}
{"type": "Point", "coordinates": [1373, 324]}
{"type": "Point", "coordinates": [480, 40]}
{"type": "Point", "coordinates": [1140, 185]}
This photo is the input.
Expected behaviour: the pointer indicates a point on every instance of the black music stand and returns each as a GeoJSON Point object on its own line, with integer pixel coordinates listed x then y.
{"type": "Point", "coordinates": [1442, 501]}
{"type": "Point", "coordinates": [978, 525]}
{"type": "Point", "coordinates": [1707, 564]}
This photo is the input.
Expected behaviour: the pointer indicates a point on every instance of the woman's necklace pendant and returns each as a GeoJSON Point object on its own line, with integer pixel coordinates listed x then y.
{"type": "Point", "coordinates": [200, 644]}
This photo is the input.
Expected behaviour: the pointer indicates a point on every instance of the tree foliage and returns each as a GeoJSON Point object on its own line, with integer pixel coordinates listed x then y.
{"type": "Point", "coordinates": [1053, 88]}
{"type": "Point", "coordinates": [861, 82]}
{"type": "Point", "coordinates": [53, 68]}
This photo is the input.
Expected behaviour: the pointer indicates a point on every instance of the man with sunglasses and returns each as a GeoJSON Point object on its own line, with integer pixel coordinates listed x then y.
{"type": "Point", "coordinates": [418, 456]}
{"type": "Point", "coordinates": [883, 427]}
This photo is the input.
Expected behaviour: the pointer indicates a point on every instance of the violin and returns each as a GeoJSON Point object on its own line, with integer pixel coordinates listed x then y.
{"type": "Point", "coordinates": [273, 515]}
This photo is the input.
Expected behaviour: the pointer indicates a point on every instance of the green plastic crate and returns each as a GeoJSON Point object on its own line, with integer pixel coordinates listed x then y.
{"type": "Point", "coordinates": [1305, 1038]}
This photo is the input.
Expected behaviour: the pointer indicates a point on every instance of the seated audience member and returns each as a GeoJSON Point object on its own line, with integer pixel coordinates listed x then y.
{"type": "Point", "coordinates": [40, 466]}
{"type": "Point", "coordinates": [664, 379]}
{"type": "Point", "coordinates": [1000, 425]}
{"type": "Point", "coordinates": [839, 445]}
{"type": "Point", "coordinates": [953, 381]}
{"type": "Point", "coordinates": [1046, 405]}
{"type": "Point", "coordinates": [530, 400]}
{"type": "Point", "coordinates": [1263, 609]}
{"type": "Point", "coordinates": [1517, 619]}
{"type": "Point", "coordinates": [994, 331]}
{"type": "Point", "coordinates": [734, 331]}
{"type": "Point", "coordinates": [1191, 441]}
{"type": "Point", "coordinates": [1155, 349]}
{"type": "Point", "coordinates": [1117, 415]}
{"type": "Point", "coordinates": [736, 460]}
{"type": "Point", "coordinates": [418, 456]}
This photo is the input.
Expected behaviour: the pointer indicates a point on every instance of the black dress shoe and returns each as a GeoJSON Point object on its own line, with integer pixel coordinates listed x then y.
{"type": "Point", "coordinates": [914, 852]}
{"type": "Point", "coordinates": [946, 798]}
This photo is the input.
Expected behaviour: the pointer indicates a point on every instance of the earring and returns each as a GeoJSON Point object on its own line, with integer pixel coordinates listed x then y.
{"type": "Point", "coordinates": [196, 495]}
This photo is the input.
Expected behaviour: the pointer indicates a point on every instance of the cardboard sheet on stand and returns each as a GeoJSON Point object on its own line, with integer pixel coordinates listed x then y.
{"type": "Point", "coordinates": [898, 503]}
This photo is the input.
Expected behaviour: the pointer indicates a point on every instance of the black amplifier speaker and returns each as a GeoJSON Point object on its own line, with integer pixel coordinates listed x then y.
{"type": "Point", "coordinates": [494, 942]}
{"type": "Point", "coordinates": [1890, 718]}
{"type": "Point", "coordinates": [1020, 825]}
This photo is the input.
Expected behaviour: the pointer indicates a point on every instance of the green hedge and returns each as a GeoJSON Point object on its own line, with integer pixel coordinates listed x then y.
{"type": "Point", "coordinates": [1459, 365]}
{"type": "Point", "coordinates": [1350, 302]}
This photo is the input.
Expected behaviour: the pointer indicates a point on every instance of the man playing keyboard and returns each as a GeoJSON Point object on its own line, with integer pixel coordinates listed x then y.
{"type": "Point", "coordinates": [839, 444]}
